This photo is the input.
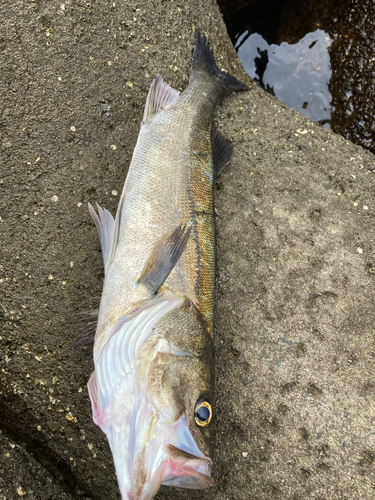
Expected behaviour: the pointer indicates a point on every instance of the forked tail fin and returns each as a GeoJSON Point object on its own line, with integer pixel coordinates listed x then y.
{"type": "Point", "coordinates": [203, 60]}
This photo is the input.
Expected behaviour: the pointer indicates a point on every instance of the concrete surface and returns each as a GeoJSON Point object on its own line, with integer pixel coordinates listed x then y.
{"type": "Point", "coordinates": [294, 340]}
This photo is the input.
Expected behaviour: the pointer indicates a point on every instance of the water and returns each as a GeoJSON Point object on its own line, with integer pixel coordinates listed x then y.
{"type": "Point", "coordinates": [297, 74]}
{"type": "Point", "coordinates": [316, 56]}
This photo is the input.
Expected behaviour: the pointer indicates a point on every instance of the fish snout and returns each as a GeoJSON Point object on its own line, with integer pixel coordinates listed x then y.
{"type": "Point", "coordinates": [187, 471]}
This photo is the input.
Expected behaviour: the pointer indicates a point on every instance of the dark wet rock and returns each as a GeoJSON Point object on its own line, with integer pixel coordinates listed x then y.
{"type": "Point", "coordinates": [295, 293]}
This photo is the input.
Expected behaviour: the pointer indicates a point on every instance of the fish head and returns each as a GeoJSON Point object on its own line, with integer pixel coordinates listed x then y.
{"type": "Point", "coordinates": [155, 404]}
{"type": "Point", "coordinates": [176, 373]}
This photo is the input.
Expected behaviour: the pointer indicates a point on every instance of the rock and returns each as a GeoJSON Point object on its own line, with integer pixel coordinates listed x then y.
{"type": "Point", "coordinates": [294, 336]}
{"type": "Point", "coordinates": [295, 315]}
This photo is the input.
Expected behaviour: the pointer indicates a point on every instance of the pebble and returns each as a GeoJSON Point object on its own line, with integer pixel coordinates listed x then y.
{"type": "Point", "coordinates": [72, 128]}
{"type": "Point", "coordinates": [54, 198]}
{"type": "Point", "coordinates": [245, 454]}
{"type": "Point", "coordinates": [70, 417]}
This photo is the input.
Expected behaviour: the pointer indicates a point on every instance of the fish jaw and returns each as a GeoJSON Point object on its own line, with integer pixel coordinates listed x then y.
{"type": "Point", "coordinates": [148, 450]}
{"type": "Point", "coordinates": [156, 461]}
{"type": "Point", "coordinates": [186, 466]}
{"type": "Point", "coordinates": [186, 471]}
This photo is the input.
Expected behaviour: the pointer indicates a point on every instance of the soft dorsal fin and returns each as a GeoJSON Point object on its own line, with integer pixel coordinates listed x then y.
{"type": "Point", "coordinates": [163, 258]}
{"type": "Point", "coordinates": [221, 151]}
{"type": "Point", "coordinates": [159, 97]}
{"type": "Point", "coordinates": [108, 229]}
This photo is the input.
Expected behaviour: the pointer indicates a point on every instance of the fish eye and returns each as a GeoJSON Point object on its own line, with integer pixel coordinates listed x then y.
{"type": "Point", "coordinates": [203, 413]}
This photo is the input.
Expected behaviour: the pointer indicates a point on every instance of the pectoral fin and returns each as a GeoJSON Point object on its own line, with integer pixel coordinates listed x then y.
{"type": "Point", "coordinates": [163, 258]}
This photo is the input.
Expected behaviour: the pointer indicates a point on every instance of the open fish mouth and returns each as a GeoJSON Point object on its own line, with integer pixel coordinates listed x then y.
{"type": "Point", "coordinates": [185, 466]}
{"type": "Point", "coordinates": [187, 471]}
{"type": "Point", "coordinates": [162, 463]}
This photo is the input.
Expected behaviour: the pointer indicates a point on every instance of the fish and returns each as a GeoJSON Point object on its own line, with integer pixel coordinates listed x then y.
{"type": "Point", "coordinates": [152, 390]}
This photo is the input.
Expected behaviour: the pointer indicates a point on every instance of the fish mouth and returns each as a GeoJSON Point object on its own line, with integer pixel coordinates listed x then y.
{"type": "Point", "coordinates": [162, 463]}
{"type": "Point", "coordinates": [187, 471]}
{"type": "Point", "coordinates": [186, 466]}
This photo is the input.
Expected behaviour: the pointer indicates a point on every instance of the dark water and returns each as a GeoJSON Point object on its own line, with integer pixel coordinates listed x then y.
{"type": "Point", "coordinates": [316, 56]}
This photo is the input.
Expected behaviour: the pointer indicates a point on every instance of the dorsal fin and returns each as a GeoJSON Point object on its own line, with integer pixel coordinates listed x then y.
{"type": "Point", "coordinates": [159, 97]}
{"type": "Point", "coordinates": [221, 151]}
{"type": "Point", "coordinates": [108, 229]}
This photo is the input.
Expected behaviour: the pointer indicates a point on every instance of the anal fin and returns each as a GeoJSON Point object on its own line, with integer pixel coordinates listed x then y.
{"type": "Point", "coordinates": [163, 258]}
{"type": "Point", "coordinates": [159, 97]}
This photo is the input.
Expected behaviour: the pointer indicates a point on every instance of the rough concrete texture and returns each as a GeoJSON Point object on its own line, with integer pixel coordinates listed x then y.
{"type": "Point", "coordinates": [295, 353]}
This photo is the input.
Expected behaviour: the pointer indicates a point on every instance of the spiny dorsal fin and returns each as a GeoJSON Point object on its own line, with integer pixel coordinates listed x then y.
{"type": "Point", "coordinates": [163, 258]}
{"type": "Point", "coordinates": [221, 151]}
{"type": "Point", "coordinates": [159, 97]}
{"type": "Point", "coordinates": [203, 60]}
{"type": "Point", "coordinates": [108, 229]}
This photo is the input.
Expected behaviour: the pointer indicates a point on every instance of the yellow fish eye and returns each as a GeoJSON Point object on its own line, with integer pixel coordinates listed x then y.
{"type": "Point", "coordinates": [203, 413]}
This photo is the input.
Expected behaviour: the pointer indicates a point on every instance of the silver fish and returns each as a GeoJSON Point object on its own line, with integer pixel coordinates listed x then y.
{"type": "Point", "coordinates": [152, 391]}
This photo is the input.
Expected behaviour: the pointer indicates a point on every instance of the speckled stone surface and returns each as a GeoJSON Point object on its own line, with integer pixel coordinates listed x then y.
{"type": "Point", "coordinates": [294, 340]}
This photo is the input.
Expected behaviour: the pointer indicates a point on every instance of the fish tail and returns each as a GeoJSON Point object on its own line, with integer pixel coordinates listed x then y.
{"type": "Point", "coordinates": [203, 60]}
